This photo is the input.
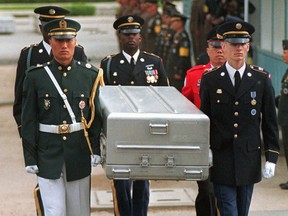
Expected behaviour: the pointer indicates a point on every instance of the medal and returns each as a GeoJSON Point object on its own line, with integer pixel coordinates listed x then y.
{"type": "Point", "coordinates": [253, 112]}
{"type": "Point", "coordinates": [82, 104]}
{"type": "Point", "coordinates": [285, 91]}
{"type": "Point", "coordinates": [253, 96]}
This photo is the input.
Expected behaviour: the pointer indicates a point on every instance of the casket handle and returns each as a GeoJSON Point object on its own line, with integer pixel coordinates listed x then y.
{"type": "Point", "coordinates": [158, 129]}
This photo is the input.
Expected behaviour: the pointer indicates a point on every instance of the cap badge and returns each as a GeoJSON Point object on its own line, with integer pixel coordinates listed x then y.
{"type": "Point", "coordinates": [52, 11]}
{"type": "Point", "coordinates": [130, 19]}
{"type": "Point", "coordinates": [238, 26]}
{"type": "Point", "coordinates": [63, 24]}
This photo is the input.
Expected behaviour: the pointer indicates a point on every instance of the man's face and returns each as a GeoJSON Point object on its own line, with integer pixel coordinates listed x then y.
{"type": "Point", "coordinates": [130, 41]}
{"type": "Point", "coordinates": [216, 55]}
{"type": "Point", "coordinates": [235, 52]}
{"type": "Point", "coordinates": [63, 49]}
{"type": "Point", "coordinates": [285, 56]}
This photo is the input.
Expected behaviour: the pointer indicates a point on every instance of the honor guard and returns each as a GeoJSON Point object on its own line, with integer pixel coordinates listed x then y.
{"type": "Point", "coordinates": [132, 66]}
{"type": "Point", "coordinates": [37, 54]}
{"type": "Point", "coordinates": [239, 100]}
{"type": "Point", "coordinates": [61, 123]}
{"type": "Point", "coordinates": [152, 25]}
{"type": "Point", "coordinates": [179, 59]}
{"type": "Point", "coordinates": [283, 108]}
{"type": "Point", "coordinates": [205, 200]}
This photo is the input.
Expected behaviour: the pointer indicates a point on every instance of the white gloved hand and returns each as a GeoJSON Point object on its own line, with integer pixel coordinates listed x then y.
{"type": "Point", "coordinates": [32, 169]}
{"type": "Point", "coordinates": [95, 160]}
{"type": "Point", "coordinates": [269, 170]}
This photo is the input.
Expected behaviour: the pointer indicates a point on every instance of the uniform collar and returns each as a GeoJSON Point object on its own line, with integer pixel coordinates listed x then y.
{"type": "Point", "coordinates": [128, 57]}
{"type": "Point", "coordinates": [47, 47]}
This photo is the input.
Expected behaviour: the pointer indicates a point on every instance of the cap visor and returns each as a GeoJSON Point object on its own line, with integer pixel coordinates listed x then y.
{"type": "Point", "coordinates": [129, 31]}
{"type": "Point", "coordinates": [237, 40]}
{"type": "Point", "coordinates": [62, 37]}
{"type": "Point", "coordinates": [215, 43]}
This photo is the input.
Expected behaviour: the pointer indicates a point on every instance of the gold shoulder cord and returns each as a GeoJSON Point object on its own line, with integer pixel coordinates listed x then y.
{"type": "Point", "coordinates": [98, 80]}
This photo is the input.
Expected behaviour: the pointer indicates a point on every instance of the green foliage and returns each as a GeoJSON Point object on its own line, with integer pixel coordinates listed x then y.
{"type": "Point", "coordinates": [81, 9]}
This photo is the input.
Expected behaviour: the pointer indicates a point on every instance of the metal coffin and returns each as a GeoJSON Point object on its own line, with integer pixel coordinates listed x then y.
{"type": "Point", "coordinates": [153, 133]}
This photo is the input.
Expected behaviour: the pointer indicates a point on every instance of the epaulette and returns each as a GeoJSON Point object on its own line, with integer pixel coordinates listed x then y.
{"type": "Point", "coordinates": [88, 66]}
{"type": "Point", "coordinates": [32, 45]}
{"type": "Point", "coordinates": [108, 57]}
{"type": "Point", "coordinates": [152, 54]}
{"type": "Point", "coordinates": [211, 70]}
{"type": "Point", "coordinates": [34, 67]}
{"type": "Point", "coordinates": [257, 68]}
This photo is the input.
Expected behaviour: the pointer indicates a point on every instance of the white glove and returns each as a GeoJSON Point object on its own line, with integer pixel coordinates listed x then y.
{"type": "Point", "coordinates": [32, 169]}
{"type": "Point", "coordinates": [95, 160]}
{"type": "Point", "coordinates": [268, 170]}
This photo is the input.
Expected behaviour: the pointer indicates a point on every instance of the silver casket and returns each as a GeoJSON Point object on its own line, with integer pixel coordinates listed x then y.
{"type": "Point", "coordinates": [153, 133]}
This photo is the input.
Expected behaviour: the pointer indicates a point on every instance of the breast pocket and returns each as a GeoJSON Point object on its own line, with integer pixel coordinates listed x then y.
{"type": "Point", "coordinates": [220, 102]}
{"type": "Point", "coordinates": [47, 100]}
{"type": "Point", "coordinates": [81, 103]}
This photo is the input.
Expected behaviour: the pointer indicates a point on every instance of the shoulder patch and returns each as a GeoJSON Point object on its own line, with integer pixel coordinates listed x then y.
{"type": "Point", "coordinates": [32, 68]}
{"type": "Point", "coordinates": [109, 56]}
{"type": "Point", "coordinates": [31, 45]}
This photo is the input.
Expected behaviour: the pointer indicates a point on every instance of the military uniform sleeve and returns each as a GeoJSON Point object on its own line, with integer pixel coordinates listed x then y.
{"type": "Point", "coordinates": [269, 123]}
{"type": "Point", "coordinates": [204, 96]}
{"type": "Point", "coordinates": [20, 75]}
{"type": "Point", "coordinates": [30, 122]}
{"type": "Point", "coordinates": [187, 89]}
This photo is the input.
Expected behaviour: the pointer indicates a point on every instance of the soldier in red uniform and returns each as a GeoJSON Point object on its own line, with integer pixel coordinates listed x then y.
{"type": "Point", "coordinates": [193, 76]}
{"type": "Point", "coordinates": [205, 200]}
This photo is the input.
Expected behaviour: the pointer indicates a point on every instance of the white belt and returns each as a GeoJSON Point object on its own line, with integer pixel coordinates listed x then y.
{"type": "Point", "coordinates": [61, 129]}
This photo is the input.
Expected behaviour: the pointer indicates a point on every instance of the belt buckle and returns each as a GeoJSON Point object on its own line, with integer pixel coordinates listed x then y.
{"type": "Point", "coordinates": [64, 128]}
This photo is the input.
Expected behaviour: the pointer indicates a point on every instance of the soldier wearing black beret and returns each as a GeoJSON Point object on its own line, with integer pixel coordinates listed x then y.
{"type": "Point", "coordinates": [61, 123]}
{"type": "Point", "coordinates": [135, 67]}
{"type": "Point", "coordinates": [282, 100]}
{"type": "Point", "coordinates": [37, 54]}
{"type": "Point", "coordinates": [239, 100]}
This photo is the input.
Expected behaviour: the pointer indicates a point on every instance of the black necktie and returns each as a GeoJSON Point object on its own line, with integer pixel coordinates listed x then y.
{"type": "Point", "coordinates": [237, 80]}
{"type": "Point", "coordinates": [132, 63]}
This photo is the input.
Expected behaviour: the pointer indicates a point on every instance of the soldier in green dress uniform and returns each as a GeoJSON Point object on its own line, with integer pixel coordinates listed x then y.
{"type": "Point", "coordinates": [61, 124]}
{"type": "Point", "coordinates": [38, 53]}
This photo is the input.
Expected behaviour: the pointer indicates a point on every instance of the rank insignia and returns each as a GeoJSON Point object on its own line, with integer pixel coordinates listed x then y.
{"type": "Point", "coordinates": [82, 104]}
{"type": "Point", "coordinates": [46, 104]}
{"type": "Point", "coordinates": [219, 91]}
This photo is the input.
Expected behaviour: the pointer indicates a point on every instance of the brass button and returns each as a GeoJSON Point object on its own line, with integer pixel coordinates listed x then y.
{"type": "Point", "coordinates": [65, 74]}
{"type": "Point", "coordinates": [236, 114]}
{"type": "Point", "coordinates": [64, 138]}
{"type": "Point", "coordinates": [82, 95]}
{"type": "Point", "coordinates": [236, 103]}
{"type": "Point", "coordinates": [69, 68]}
{"type": "Point", "coordinates": [46, 95]}
{"type": "Point", "coordinates": [132, 82]}
{"type": "Point", "coordinates": [60, 68]}
{"type": "Point", "coordinates": [64, 106]}
{"type": "Point", "coordinates": [218, 101]}
{"type": "Point", "coordinates": [235, 125]}
{"type": "Point", "coordinates": [235, 136]}
{"type": "Point", "coordinates": [64, 122]}
{"type": "Point", "coordinates": [65, 90]}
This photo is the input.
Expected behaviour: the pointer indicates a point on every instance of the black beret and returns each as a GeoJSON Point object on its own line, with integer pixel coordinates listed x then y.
{"type": "Point", "coordinates": [178, 16]}
{"type": "Point", "coordinates": [285, 44]}
{"type": "Point", "coordinates": [128, 24]}
{"type": "Point", "coordinates": [62, 28]}
{"type": "Point", "coordinates": [238, 32]}
{"type": "Point", "coordinates": [48, 13]}
{"type": "Point", "coordinates": [169, 8]}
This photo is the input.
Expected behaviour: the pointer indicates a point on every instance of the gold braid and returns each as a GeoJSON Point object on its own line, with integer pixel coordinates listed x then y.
{"type": "Point", "coordinates": [98, 80]}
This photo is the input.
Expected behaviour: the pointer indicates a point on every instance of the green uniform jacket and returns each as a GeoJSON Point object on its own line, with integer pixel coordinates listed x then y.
{"type": "Point", "coordinates": [283, 102]}
{"type": "Point", "coordinates": [43, 104]}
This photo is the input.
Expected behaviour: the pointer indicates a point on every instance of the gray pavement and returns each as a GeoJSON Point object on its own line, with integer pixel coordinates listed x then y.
{"type": "Point", "coordinates": [16, 197]}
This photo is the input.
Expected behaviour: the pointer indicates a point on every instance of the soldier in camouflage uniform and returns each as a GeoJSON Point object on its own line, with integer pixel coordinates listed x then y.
{"type": "Point", "coordinates": [152, 24]}
{"type": "Point", "coordinates": [179, 60]}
